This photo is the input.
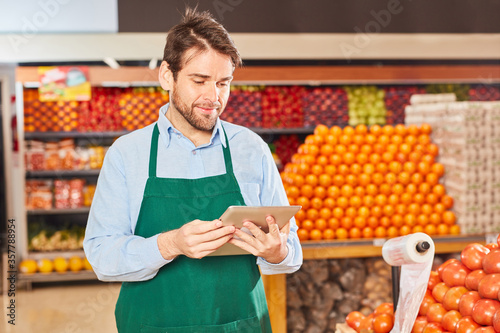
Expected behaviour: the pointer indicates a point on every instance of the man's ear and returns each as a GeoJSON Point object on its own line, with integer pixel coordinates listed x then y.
{"type": "Point", "coordinates": [165, 76]}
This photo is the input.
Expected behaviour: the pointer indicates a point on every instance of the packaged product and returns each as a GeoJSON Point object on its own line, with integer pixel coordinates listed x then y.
{"type": "Point", "coordinates": [35, 155]}
{"type": "Point", "coordinates": [76, 193]}
{"type": "Point", "coordinates": [88, 195]}
{"type": "Point", "coordinates": [61, 194]}
{"type": "Point", "coordinates": [52, 159]}
{"type": "Point", "coordinates": [67, 154]}
{"type": "Point", "coordinates": [39, 194]}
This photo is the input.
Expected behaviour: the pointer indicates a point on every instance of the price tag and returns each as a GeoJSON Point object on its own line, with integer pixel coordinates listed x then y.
{"type": "Point", "coordinates": [491, 238]}
{"type": "Point", "coordinates": [379, 242]}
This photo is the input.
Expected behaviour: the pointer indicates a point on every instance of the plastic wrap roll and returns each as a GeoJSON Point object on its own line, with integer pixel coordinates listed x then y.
{"type": "Point", "coordinates": [415, 254]}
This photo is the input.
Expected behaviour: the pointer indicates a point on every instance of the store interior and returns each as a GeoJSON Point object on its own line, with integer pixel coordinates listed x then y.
{"type": "Point", "coordinates": [383, 119]}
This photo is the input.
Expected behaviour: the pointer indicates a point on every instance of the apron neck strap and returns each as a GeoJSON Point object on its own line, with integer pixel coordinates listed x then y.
{"type": "Point", "coordinates": [153, 154]}
{"type": "Point", "coordinates": [227, 154]}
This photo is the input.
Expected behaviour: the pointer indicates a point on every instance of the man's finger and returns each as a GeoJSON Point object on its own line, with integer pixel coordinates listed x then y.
{"type": "Point", "coordinates": [273, 226]}
{"type": "Point", "coordinates": [201, 227]}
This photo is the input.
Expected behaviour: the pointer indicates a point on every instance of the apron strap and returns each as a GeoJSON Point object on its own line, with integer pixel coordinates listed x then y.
{"type": "Point", "coordinates": [227, 154]}
{"type": "Point", "coordinates": [153, 154]}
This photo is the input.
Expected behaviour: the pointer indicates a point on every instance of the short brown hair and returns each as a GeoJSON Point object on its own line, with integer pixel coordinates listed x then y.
{"type": "Point", "coordinates": [201, 31]}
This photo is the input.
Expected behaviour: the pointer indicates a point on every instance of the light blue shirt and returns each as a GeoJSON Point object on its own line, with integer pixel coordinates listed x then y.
{"type": "Point", "coordinates": [111, 247]}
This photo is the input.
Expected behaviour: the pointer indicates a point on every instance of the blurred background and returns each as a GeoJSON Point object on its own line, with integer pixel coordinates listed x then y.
{"type": "Point", "coordinates": [75, 75]}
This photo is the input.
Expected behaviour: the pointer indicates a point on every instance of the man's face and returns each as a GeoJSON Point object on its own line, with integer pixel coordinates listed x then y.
{"type": "Point", "coordinates": [201, 91]}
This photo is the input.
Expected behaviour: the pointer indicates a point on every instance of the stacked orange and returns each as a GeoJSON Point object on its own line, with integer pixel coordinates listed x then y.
{"type": "Point", "coordinates": [368, 182]}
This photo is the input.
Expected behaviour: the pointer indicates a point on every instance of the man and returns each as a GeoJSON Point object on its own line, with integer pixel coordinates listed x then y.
{"type": "Point", "coordinates": [154, 218]}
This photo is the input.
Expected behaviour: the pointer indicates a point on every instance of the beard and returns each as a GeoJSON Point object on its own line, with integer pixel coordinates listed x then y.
{"type": "Point", "coordinates": [202, 122]}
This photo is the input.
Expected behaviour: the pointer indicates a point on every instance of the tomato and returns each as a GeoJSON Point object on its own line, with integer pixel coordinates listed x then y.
{"type": "Point", "coordinates": [354, 319]}
{"type": "Point", "coordinates": [383, 323]}
{"type": "Point", "coordinates": [466, 325]}
{"type": "Point", "coordinates": [483, 311]}
{"type": "Point", "coordinates": [384, 308]}
{"type": "Point", "coordinates": [419, 325]}
{"type": "Point", "coordinates": [487, 329]}
{"type": "Point", "coordinates": [443, 265]}
{"type": "Point", "coordinates": [454, 274]}
{"type": "Point", "coordinates": [433, 280]}
{"type": "Point", "coordinates": [498, 240]}
{"type": "Point", "coordinates": [450, 320]}
{"type": "Point", "coordinates": [436, 313]}
{"type": "Point", "coordinates": [467, 302]}
{"type": "Point", "coordinates": [426, 303]}
{"type": "Point", "coordinates": [452, 297]}
{"type": "Point", "coordinates": [489, 286]}
{"type": "Point", "coordinates": [472, 256]}
{"type": "Point", "coordinates": [473, 278]}
{"type": "Point", "coordinates": [496, 321]}
{"type": "Point", "coordinates": [492, 246]}
{"type": "Point", "coordinates": [439, 291]}
{"type": "Point", "coordinates": [367, 323]}
{"type": "Point", "coordinates": [491, 262]}
{"type": "Point", "coordinates": [433, 328]}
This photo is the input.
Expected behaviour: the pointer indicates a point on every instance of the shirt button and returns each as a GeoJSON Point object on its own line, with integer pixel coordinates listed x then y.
{"type": "Point", "coordinates": [194, 152]}
{"type": "Point", "coordinates": [178, 136]}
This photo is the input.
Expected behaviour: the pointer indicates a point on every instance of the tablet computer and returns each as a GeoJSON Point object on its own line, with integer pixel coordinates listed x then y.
{"type": "Point", "coordinates": [236, 215]}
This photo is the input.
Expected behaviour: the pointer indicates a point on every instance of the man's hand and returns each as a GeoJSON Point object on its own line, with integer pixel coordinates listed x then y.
{"type": "Point", "coordinates": [271, 246]}
{"type": "Point", "coordinates": [195, 239]}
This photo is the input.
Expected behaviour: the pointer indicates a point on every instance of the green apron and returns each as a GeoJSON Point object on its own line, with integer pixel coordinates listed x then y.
{"type": "Point", "coordinates": [213, 294]}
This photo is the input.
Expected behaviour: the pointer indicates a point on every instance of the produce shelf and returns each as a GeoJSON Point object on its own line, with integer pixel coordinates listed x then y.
{"type": "Point", "coordinates": [62, 173]}
{"type": "Point", "coordinates": [373, 247]}
{"type": "Point", "coordinates": [57, 277]}
{"type": "Point", "coordinates": [278, 131]}
{"type": "Point", "coordinates": [79, 210]}
{"type": "Point", "coordinates": [76, 135]}
{"type": "Point", "coordinates": [51, 255]}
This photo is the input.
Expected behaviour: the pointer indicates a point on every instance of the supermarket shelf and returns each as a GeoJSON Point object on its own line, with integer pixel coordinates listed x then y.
{"type": "Point", "coordinates": [54, 254]}
{"type": "Point", "coordinates": [110, 135]}
{"type": "Point", "coordinates": [373, 247]}
{"type": "Point", "coordinates": [278, 131]}
{"type": "Point", "coordinates": [76, 135]}
{"type": "Point", "coordinates": [55, 211]}
{"type": "Point", "coordinates": [62, 173]}
{"type": "Point", "coordinates": [58, 277]}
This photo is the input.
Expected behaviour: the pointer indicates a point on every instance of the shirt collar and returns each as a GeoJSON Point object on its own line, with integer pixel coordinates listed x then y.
{"type": "Point", "coordinates": [167, 129]}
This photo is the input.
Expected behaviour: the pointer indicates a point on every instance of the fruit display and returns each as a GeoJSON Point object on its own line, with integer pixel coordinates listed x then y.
{"type": "Point", "coordinates": [325, 105]}
{"type": "Point", "coordinates": [484, 93]}
{"type": "Point", "coordinates": [50, 116]}
{"type": "Point", "coordinates": [363, 183]}
{"type": "Point", "coordinates": [282, 107]}
{"type": "Point", "coordinates": [460, 90]}
{"type": "Point", "coordinates": [109, 109]}
{"type": "Point", "coordinates": [138, 107]}
{"type": "Point", "coordinates": [366, 105]}
{"type": "Point", "coordinates": [468, 134]}
{"type": "Point", "coordinates": [462, 296]}
{"type": "Point", "coordinates": [102, 112]}
{"type": "Point", "coordinates": [285, 147]}
{"type": "Point", "coordinates": [396, 99]}
{"type": "Point", "coordinates": [244, 106]}
{"type": "Point", "coordinates": [60, 265]}
{"type": "Point", "coordinates": [58, 193]}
